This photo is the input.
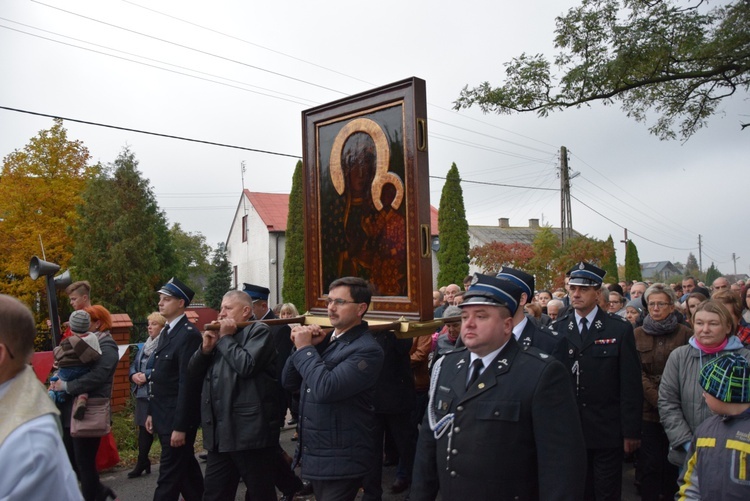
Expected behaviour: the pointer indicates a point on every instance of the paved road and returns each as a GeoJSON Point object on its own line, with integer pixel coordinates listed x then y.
{"type": "Point", "coordinates": [142, 488]}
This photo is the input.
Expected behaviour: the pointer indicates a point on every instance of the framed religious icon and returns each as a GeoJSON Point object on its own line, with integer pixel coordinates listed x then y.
{"type": "Point", "coordinates": [367, 199]}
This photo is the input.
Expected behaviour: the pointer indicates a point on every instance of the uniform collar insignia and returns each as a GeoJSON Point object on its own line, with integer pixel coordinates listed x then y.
{"type": "Point", "coordinates": [598, 324]}
{"type": "Point", "coordinates": [570, 326]}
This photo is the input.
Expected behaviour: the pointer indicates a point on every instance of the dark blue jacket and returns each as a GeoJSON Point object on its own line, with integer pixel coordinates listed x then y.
{"type": "Point", "coordinates": [337, 417]}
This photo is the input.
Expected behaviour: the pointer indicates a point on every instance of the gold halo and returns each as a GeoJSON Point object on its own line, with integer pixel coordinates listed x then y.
{"type": "Point", "coordinates": [383, 155]}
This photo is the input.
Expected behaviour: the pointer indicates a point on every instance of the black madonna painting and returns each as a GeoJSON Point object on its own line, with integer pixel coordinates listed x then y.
{"type": "Point", "coordinates": [367, 206]}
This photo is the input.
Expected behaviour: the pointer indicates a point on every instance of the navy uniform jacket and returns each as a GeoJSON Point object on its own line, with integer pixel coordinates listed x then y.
{"type": "Point", "coordinates": [516, 432]}
{"type": "Point", "coordinates": [175, 399]}
{"type": "Point", "coordinates": [542, 339]}
{"type": "Point", "coordinates": [605, 371]}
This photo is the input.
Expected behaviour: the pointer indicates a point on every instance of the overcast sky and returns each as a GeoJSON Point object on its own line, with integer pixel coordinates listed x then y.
{"type": "Point", "coordinates": [241, 72]}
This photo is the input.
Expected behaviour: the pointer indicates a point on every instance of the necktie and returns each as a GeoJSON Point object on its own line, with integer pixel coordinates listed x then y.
{"type": "Point", "coordinates": [476, 367]}
{"type": "Point", "coordinates": [584, 327]}
{"type": "Point", "coordinates": [163, 336]}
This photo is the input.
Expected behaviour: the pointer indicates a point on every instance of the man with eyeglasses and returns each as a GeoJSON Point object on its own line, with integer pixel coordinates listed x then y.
{"type": "Point", "coordinates": [335, 374]}
{"type": "Point", "coordinates": [599, 352]}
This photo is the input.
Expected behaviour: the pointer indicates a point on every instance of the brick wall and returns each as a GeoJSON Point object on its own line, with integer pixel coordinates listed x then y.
{"type": "Point", "coordinates": [120, 331]}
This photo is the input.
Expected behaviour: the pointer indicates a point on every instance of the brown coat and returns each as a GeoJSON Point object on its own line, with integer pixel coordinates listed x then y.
{"type": "Point", "coordinates": [654, 352]}
{"type": "Point", "coordinates": [419, 355]}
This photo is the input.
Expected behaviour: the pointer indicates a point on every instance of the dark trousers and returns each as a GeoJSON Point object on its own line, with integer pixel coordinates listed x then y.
{"type": "Point", "coordinates": [254, 466]}
{"type": "Point", "coordinates": [405, 437]}
{"type": "Point", "coordinates": [179, 471]}
{"type": "Point", "coordinates": [604, 474]}
{"type": "Point", "coordinates": [85, 450]}
{"type": "Point", "coordinates": [145, 439]}
{"type": "Point", "coordinates": [336, 490]}
{"type": "Point", "coordinates": [658, 476]}
{"type": "Point", "coordinates": [82, 455]}
{"type": "Point", "coordinates": [283, 475]}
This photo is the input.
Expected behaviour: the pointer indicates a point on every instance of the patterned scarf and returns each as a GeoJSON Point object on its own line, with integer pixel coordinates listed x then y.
{"type": "Point", "coordinates": [150, 345]}
{"type": "Point", "coordinates": [660, 327]}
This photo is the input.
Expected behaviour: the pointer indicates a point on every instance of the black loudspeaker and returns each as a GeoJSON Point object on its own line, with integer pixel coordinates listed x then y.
{"type": "Point", "coordinates": [63, 280]}
{"type": "Point", "coordinates": [39, 267]}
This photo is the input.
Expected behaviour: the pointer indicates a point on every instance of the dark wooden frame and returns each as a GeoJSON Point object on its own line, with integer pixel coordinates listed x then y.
{"type": "Point", "coordinates": [324, 129]}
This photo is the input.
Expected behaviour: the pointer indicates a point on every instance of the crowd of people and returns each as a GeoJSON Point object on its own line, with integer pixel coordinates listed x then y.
{"type": "Point", "coordinates": [521, 394]}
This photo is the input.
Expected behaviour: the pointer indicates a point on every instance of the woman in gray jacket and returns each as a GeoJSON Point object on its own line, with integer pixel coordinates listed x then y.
{"type": "Point", "coordinates": [681, 405]}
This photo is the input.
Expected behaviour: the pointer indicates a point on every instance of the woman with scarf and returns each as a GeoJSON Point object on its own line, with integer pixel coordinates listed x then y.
{"type": "Point", "coordinates": [140, 373]}
{"type": "Point", "coordinates": [660, 334]}
{"type": "Point", "coordinates": [681, 405]}
{"type": "Point", "coordinates": [97, 383]}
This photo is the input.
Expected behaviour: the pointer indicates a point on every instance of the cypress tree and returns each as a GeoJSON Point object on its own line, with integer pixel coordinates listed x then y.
{"type": "Point", "coordinates": [453, 256]}
{"type": "Point", "coordinates": [610, 263]}
{"type": "Point", "coordinates": [293, 290]}
{"type": "Point", "coordinates": [632, 263]}
{"type": "Point", "coordinates": [712, 273]}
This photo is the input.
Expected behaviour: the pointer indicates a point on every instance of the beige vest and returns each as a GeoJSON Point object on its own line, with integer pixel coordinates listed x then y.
{"type": "Point", "coordinates": [25, 400]}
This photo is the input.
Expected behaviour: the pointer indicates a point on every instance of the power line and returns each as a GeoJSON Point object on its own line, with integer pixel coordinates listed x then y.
{"type": "Point", "coordinates": [199, 51]}
{"type": "Point", "coordinates": [623, 227]}
{"type": "Point", "coordinates": [154, 60]}
{"type": "Point", "coordinates": [169, 136]}
{"type": "Point", "coordinates": [500, 184]}
{"type": "Point", "coordinates": [151, 65]}
{"type": "Point", "coordinates": [245, 41]}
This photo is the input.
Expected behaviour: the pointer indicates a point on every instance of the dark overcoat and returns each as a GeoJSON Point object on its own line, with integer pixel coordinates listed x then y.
{"type": "Point", "coordinates": [175, 399]}
{"type": "Point", "coordinates": [515, 434]}
{"type": "Point", "coordinates": [605, 372]}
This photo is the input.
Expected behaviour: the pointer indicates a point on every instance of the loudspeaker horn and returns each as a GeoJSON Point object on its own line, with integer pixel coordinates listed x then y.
{"type": "Point", "coordinates": [39, 267]}
{"type": "Point", "coordinates": [63, 280]}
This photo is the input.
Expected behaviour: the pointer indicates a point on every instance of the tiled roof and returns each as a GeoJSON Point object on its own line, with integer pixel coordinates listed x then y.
{"type": "Point", "coordinates": [524, 235]}
{"type": "Point", "coordinates": [273, 208]}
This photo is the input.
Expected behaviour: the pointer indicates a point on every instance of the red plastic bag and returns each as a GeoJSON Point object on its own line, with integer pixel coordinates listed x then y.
{"type": "Point", "coordinates": [107, 455]}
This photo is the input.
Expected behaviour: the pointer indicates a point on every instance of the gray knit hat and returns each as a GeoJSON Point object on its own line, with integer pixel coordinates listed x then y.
{"type": "Point", "coordinates": [80, 321]}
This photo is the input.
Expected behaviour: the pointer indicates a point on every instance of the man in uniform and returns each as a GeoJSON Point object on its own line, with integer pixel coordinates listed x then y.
{"type": "Point", "coordinates": [174, 406]}
{"type": "Point", "coordinates": [526, 332]}
{"type": "Point", "coordinates": [259, 295]}
{"type": "Point", "coordinates": [598, 349]}
{"type": "Point", "coordinates": [502, 421]}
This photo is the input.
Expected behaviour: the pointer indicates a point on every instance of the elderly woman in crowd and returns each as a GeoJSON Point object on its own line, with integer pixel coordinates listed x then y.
{"type": "Point", "coordinates": [97, 383]}
{"type": "Point", "coordinates": [733, 304]}
{"type": "Point", "coordinates": [140, 373]}
{"type": "Point", "coordinates": [659, 336]}
{"type": "Point", "coordinates": [681, 405]}
{"type": "Point", "coordinates": [634, 312]}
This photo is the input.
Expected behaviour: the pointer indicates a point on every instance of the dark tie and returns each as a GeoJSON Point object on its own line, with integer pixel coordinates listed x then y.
{"type": "Point", "coordinates": [584, 327]}
{"type": "Point", "coordinates": [163, 336]}
{"type": "Point", "coordinates": [476, 367]}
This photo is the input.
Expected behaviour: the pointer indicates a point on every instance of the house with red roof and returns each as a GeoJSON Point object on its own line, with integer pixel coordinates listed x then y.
{"type": "Point", "coordinates": [256, 241]}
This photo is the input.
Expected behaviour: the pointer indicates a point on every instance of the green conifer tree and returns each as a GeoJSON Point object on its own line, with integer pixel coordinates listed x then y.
{"type": "Point", "coordinates": [122, 242]}
{"type": "Point", "coordinates": [453, 256]}
{"type": "Point", "coordinates": [610, 263]}
{"type": "Point", "coordinates": [293, 290]}
{"type": "Point", "coordinates": [632, 263]}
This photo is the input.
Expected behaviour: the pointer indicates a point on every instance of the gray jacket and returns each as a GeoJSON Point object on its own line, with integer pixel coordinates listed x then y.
{"type": "Point", "coordinates": [681, 405]}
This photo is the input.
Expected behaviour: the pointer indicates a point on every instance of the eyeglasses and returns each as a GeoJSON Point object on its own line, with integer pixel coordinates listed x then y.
{"type": "Point", "coordinates": [10, 353]}
{"type": "Point", "coordinates": [338, 301]}
{"type": "Point", "coordinates": [615, 302]}
{"type": "Point", "coordinates": [659, 305]}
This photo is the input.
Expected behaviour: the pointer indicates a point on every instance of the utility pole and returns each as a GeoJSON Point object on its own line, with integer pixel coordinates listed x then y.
{"type": "Point", "coordinates": [734, 260]}
{"type": "Point", "coordinates": [700, 255]}
{"type": "Point", "coordinates": [625, 242]}
{"type": "Point", "coordinates": [566, 216]}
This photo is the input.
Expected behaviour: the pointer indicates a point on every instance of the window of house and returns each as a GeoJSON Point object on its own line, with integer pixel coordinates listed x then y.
{"type": "Point", "coordinates": [244, 228]}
